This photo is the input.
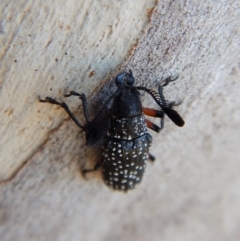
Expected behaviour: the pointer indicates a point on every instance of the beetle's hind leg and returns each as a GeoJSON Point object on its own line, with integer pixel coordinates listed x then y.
{"type": "Point", "coordinates": [96, 167]}
{"type": "Point", "coordinates": [151, 157]}
{"type": "Point", "coordinates": [65, 107]}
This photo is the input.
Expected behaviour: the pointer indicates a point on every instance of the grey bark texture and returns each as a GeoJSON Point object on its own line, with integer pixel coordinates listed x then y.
{"type": "Point", "coordinates": [191, 192]}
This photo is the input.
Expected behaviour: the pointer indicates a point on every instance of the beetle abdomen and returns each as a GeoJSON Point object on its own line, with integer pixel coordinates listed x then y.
{"type": "Point", "coordinates": [125, 158]}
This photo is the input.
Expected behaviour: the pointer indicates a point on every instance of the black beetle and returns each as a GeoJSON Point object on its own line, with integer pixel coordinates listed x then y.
{"type": "Point", "coordinates": [122, 129]}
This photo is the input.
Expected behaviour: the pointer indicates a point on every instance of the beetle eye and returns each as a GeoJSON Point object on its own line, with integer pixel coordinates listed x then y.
{"type": "Point", "coordinates": [119, 81]}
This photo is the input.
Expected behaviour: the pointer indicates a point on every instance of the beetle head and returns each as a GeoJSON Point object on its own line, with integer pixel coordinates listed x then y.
{"type": "Point", "coordinates": [125, 79]}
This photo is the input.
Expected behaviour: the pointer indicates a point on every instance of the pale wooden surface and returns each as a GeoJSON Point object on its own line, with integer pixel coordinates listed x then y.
{"type": "Point", "coordinates": [191, 192]}
{"type": "Point", "coordinates": [49, 49]}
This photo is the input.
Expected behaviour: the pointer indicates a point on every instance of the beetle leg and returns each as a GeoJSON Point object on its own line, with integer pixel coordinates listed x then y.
{"type": "Point", "coordinates": [152, 126]}
{"type": "Point", "coordinates": [84, 102]}
{"type": "Point", "coordinates": [65, 107]}
{"type": "Point", "coordinates": [167, 80]}
{"type": "Point", "coordinates": [96, 167]}
{"type": "Point", "coordinates": [151, 157]}
{"type": "Point", "coordinates": [155, 113]}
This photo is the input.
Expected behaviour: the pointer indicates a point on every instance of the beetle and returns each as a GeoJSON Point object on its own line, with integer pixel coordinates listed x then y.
{"type": "Point", "coordinates": [122, 130]}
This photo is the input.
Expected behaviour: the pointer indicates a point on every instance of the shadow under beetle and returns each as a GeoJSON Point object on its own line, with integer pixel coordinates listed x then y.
{"type": "Point", "coordinates": [122, 129]}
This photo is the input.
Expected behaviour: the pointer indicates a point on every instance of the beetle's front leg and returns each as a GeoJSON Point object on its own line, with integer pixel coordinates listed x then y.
{"type": "Point", "coordinates": [167, 80]}
{"type": "Point", "coordinates": [65, 107]}
{"type": "Point", "coordinates": [84, 102]}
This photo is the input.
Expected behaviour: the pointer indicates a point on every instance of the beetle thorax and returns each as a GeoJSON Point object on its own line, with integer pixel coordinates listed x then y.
{"type": "Point", "coordinates": [127, 103]}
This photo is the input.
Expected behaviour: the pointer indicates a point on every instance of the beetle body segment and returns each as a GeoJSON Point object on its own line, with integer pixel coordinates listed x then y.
{"type": "Point", "coordinates": [125, 151]}
{"type": "Point", "coordinates": [127, 128]}
{"type": "Point", "coordinates": [127, 103]}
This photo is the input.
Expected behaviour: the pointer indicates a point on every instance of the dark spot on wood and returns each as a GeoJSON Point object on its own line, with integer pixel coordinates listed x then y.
{"type": "Point", "coordinates": [91, 74]}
